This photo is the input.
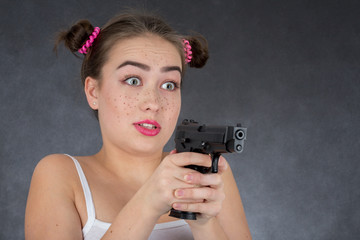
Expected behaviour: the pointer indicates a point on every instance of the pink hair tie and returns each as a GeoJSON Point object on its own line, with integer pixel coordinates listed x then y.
{"type": "Point", "coordinates": [88, 43]}
{"type": "Point", "coordinates": [187, 50]}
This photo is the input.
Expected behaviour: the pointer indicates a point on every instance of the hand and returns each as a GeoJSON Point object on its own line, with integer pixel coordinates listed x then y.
{"type": "Point", "coordinates": [158, 193]}
{"type": "Point", "coordinates": [205, 197]}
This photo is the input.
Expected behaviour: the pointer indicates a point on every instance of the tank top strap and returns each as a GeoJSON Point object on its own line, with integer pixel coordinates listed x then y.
{"type": "Point", "coordinates": [87, 193]}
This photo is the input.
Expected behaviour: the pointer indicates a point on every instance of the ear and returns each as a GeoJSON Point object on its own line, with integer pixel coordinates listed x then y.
{"type": "Point", "coordinates": [91, 90]}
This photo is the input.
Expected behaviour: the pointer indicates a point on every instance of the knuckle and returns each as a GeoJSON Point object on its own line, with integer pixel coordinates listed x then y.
{"type": "Point", "coordinates": [177, 159]}
{"type": "Point", "coordinates": [212, 194]}
{"type": "Point", "coordinates": [199, 178]}
{"type": "Point", "coordinates": [185, 206]}
{"type": "Point", "coordinates": [218, 179]}
{"type": "Point", "coordinates": [164, 183]}
{"type": "Point", "coordinates": [215, 209]}
{"type": "Point", "coordinates": [217, 195]}
{"type": "Point", "coordinates": [194, 158]}
{"type": "Point", "coordinates": [186, 155]}
{"type": "Point", "coordinates": [167, 196]}
{"type": "Point", "coordinates": [207, 160]}
{"type": "Point", "coordinates": [198, 159]}
{"type": "Point", "coordinates": [189, 193]}
{"type": "Point", "coordinates": [209, 193]}
{"type": "Point", "coordinates": [168, 160]}
{"type": "Point", "coordinates": [197, 207]}
{"type": "Point", "coordinates": [218, 206]}
{"type": "Point", "coordinates": [165, 168]}
{"type": "Point", "coordinates": [222, 196]}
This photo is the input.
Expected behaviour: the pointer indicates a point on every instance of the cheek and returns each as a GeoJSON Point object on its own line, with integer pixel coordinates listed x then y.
{"type": "Point", "coordinates": [123, 105]}
{"type": "Point", "coordinates": [172, 107]}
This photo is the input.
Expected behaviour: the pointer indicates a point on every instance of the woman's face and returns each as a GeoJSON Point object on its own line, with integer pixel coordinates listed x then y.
{"type": "Point", "coordinates": [139, 98]}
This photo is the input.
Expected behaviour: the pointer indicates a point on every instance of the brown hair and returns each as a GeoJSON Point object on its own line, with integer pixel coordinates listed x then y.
{"type": "Point", "coordinates": [124, 26]}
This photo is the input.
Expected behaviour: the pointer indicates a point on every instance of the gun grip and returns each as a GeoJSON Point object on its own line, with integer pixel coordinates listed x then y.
{"type": "Point", "coordinates": [214, 169]}
{"type": "Point", "coordinates": [214, 162]}
{"type": "Point", "coordinates": [182, 214]}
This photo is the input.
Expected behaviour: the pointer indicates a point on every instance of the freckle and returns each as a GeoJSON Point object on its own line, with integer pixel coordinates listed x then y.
{"type": "Point", "coordinates": [114, 99]}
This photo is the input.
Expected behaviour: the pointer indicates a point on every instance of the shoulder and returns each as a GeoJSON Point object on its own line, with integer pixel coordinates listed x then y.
{"type": "Point", "coordinates": [55, 167]}
{"type": "Point", "coordinates": [50, 204]}
{"type": "Point", "coordinates": [54, 173]}
{"type": "Point", "coordinates": [54, 160]}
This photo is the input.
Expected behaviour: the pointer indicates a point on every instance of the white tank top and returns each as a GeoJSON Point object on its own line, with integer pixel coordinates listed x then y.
{"type": "Point", "coordinates": [94, 229]}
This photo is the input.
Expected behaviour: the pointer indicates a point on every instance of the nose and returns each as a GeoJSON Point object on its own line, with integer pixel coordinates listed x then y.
{"type": "Point", "coordinates": [151, 101]}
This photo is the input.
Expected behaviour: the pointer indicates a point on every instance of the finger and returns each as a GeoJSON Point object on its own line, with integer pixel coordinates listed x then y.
{"type": "Point", "coordinates": [212, 179]}
{"type": "Point", "coordinates": [173, 151]}
{"type": "Point", "coordinates": [184, 177]}
{"type": "Point", "coordinates": [191, 158]}
{"type": "Point", "coordinates": [187, 200]}
{"type": "Point", "coordinates": [210, 209]}
{"type": "Point", "coordinates": [204, 193]}
{"type": "Point", "coordinates": [222, 164]}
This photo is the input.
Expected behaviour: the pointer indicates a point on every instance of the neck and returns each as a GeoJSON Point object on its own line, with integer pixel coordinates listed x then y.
{"type": "Point", "coordinates": [129, 167]}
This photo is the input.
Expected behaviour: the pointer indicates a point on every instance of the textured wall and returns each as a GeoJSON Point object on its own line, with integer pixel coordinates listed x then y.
{"type": "Point", "coordinates": [287, 70]}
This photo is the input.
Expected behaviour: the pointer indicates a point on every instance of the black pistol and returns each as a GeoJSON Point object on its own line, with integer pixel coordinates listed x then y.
{"type": "Point", "coordinates": [191, 136]}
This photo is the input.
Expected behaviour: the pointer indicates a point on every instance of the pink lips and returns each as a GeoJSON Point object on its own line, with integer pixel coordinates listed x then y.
{"type": "Point", "coordinates": [148, 127]}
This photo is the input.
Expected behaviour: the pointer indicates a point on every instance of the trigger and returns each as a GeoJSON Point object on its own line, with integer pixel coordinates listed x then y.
{"type": "Point", "coordinates": [215, 162]}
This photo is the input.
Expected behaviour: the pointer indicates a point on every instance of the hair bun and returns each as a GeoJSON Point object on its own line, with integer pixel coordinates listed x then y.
{"type": "Point", "coordinates": [76, 36]}
{"type": "Point", "coordinates": [200, 52]}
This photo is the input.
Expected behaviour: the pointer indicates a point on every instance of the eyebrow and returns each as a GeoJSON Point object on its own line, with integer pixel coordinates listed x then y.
{"type": "Point", "coordinates": [147, 68]}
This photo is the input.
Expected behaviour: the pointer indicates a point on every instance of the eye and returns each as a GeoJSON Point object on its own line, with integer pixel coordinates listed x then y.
{"type": "Point", "coordinates": [169, 86]}
{"type": "Point", "coordinates": [133, 81]}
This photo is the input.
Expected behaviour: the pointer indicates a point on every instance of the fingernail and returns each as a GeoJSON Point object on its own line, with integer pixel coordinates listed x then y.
{"type": "Point", "coordinates": [176, 205]}
{"type": "Point", "coordinates": [179, 193]}
{"type": "Point", "coordinates": [188, 177]}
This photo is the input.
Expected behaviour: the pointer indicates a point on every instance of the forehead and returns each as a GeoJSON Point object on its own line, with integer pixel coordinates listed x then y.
{"type": "Point", "coordinates": [148, 49]}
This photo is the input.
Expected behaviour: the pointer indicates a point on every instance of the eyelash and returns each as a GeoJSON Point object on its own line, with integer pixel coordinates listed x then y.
{"type": "Point", "coordinates": [176, 85]}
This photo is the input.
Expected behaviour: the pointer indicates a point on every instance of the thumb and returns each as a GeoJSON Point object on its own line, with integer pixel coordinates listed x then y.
{"type": "Point", "coordinates": [173, 151]}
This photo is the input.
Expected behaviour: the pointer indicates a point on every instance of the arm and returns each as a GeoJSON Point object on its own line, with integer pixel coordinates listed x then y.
{"type": "Point", "coordinates": [136, 220]}
{"type": "Point", "coordinates": [232, 215]}
{"type": "Point", "coordinates": [51, 212]}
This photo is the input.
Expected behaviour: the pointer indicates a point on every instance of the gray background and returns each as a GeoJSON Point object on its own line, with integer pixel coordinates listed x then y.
{"type": "Point", "coordinates": [287, 70]}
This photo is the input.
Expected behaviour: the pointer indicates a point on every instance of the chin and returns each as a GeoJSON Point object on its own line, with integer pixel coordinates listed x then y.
{"type": "Point", "coordinates": [149, 146]}
{"type": "Point", "coordinates": [147, 151]}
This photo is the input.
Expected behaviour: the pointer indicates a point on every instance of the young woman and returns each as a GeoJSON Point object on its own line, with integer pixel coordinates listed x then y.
{"type": "Point", "coordinates": [132, 72]}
